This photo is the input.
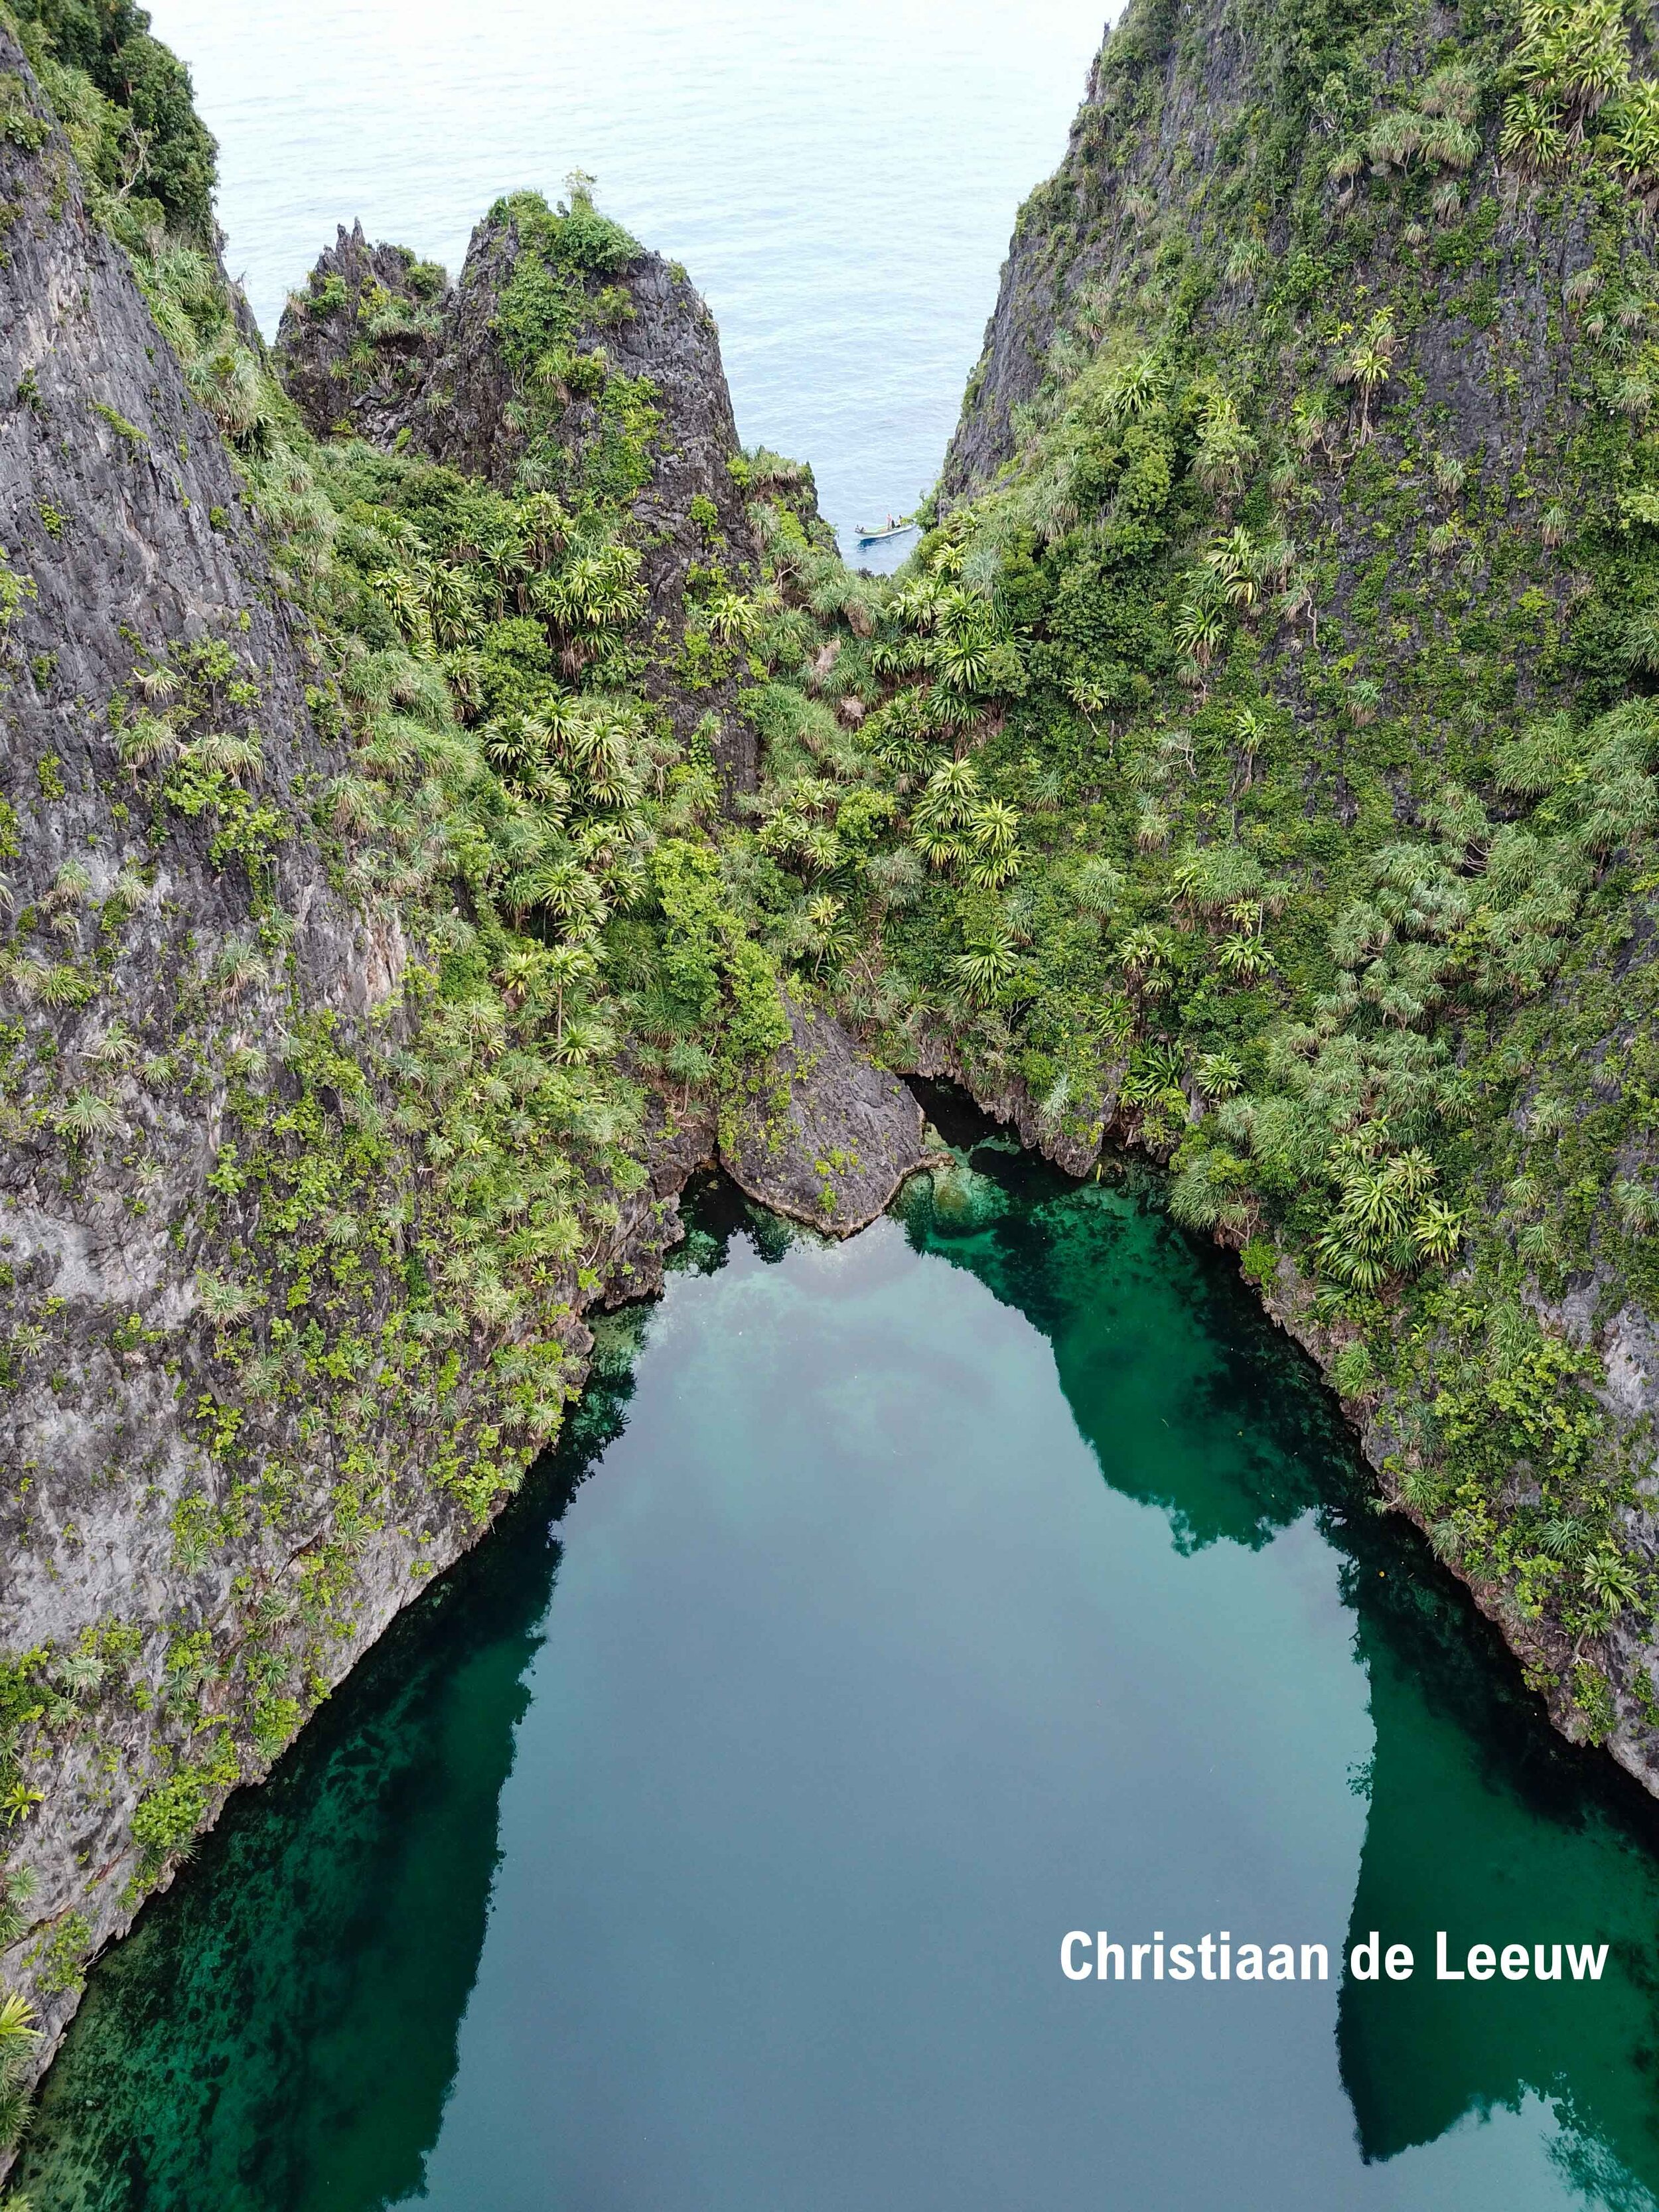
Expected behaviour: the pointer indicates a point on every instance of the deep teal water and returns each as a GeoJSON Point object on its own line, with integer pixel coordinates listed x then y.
{"type": "Point", "coordinates": [839, 176]}
{"type": "Point", "coordinates": [704, 1842]}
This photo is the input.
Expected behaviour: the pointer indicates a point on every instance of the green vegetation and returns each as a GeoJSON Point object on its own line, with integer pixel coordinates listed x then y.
{"type": "Point", "coordinates": [565, 262]}
{"type": "Point", "coordinates": [1262, 768]}
{"type": "Point", "coordinates": [406, 1212]}
{"type": "Point", "coordinates": [123, 100]}
{"type": "Point", "coordinates": [18, 2036]}
{"type": "Point", "coordinates": [1246, 771]}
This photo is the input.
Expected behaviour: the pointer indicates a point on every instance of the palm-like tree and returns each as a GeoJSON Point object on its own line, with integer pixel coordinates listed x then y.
{"type": "Point", "coordinates": [1369, 365]}
{"type": "Point", "coordinates": [1144, 956]}
{"type": "Point", "coordinates": [961, 658]}
{"type": "Point", "coordinates": [1238, 566]}
{"type": "Point", "coordinates": [545, 523]}
{"type": "Point", "coordinates": [1632, 135]}
{"type": "Point", "coordinates": [84, 1114]}
{"type": "Point", "coordinates": [1137, 388]}
{"type": "Point", "coordinates": [566, 966]}
{"type": "Point", "coordinates": [1220, 1074]}
{"type": "Point", "coordinates": [996, 826]}
{"type": "Point", "coordinates": [917, 606]}
{"type": "Point", "coordinates": [1224, 450]}
{"type": "Point", "coordinates": [1252, 727]}
{"type": "Point", "coordinates": [453, 614]}
{"type": "Point", "coordinates": [1575, 52]}
{"type": "Point", "coordinates": [405, 601]}
{"type": "Point", "coordinates": [149, 740]}
{"type": "Point", "coordinates": [986, 968]}
{"type": "Point", "coordinates": [732, 618]}
{"type": "Point", "coordinates": [1437, 1232]}
{"type": "Point", "coordinates": [1199, 629]}
{"type": "Point", "coordinates": [951, 790]}
{"type": "Point", "coordinates": [1243, 959]}
{"type": "Point", "coordinates": [1532, 140]}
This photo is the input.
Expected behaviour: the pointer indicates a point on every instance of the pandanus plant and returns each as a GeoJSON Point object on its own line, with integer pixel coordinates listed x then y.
{"type": "Point", "coordinates": [1252, 728]}
{"type": "Point", "coordinates": [1532, 140]}
{"type": "Point", "coordinates": [1368, 365]}
{"type": "Point", "coordinates": [18, 2034]}
{"type": "Point", "coordinates": [1145, 956]}
{"type": "Point", "coordinates": [1633, 137]}
{"type": "Point", "coordinates": [734, 619]}
{"type": "Point", "coordinates": [1239, 566]}
{"type": "Point", "coordinates": [986, 968]}
{"type": "Point", "coordinates": [1199, 627]}
{"type": "Point", "coordinates": [956, 825]}
{"type": "Point", "coordinates": [1137, 388]}
{"type": "Point", "coordinates": [1152, 1084]}
{"type": "Point", "coordinates": [1224, 451]}
{"type": "Point", "coordinates": [147, 742]}
{"type": "Point", "coordinates": [1611, 1580]}
{"type": "Point", "coordinates": [1576, 52]}
{"type": "Point", "coordinates": [1220, 1074]}
{"type": "Point", "coordinates": [591, 594]}
{"type": "Point", "coordinates": [1388, 1219]}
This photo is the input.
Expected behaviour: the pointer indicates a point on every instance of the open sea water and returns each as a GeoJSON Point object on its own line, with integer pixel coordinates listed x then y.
{"type": "Point", "coordinates": [839, 177]}
{"type": "Point", "coordinates": [704, 1842]}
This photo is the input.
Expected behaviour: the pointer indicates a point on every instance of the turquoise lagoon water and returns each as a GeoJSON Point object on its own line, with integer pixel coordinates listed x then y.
{"type": "Point", "coordinates": [705, 1842]}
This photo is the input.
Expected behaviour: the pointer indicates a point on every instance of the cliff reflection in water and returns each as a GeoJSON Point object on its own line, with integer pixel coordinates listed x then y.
{"type": "Point", "coordinates": [280, 2030]}
{"type": "Point", "coordinates": [289, 2028]}
{"type": "Point", "coordinates": [1481, 1819]}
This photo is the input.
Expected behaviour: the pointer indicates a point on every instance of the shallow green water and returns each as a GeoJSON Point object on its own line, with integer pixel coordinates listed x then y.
{"type": "Point", "coordinates": [709, 1850]}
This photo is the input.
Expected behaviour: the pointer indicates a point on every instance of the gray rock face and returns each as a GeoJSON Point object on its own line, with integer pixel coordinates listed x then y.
{"type": "Point", "coordinates": [1031, 290]}
{"type": "Point", "coordinates": [143, 969]}
{"type": "Point", "coordinates": [1123, 190]}
{"type": "Point", "coordinates": [359, 343]}
{"type": "Point", "coordinates": [449, 394]}
{"type": "Point", "coordinates": [827, 1139]}
{"type": "Point", "coordinates": [120, 508]}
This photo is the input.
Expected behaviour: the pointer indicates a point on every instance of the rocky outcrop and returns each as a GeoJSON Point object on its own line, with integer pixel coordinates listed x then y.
{"type": "Point", "coordinates": [1130, 189]}
{"type": "Point", "coordinates": [826, 1137]}
{"type": "Point", "coordinates": [636, 356]}
{"type": "Point", "coordinates": [1009, 1101]}
{"type": "Point", "coordinates": [1032, 291]}
{"type": "Point", "coordinates": [358, 344]}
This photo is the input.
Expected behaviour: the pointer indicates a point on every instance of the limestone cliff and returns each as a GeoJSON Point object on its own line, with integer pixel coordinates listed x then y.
{"type": "Point", "coordinates": [348, 1051]}
{"type": "Point", "coordinates": [1295, 588]}
{"type": "Point", "coordinates": [161, 954]}
{"type": "Point", "coordinates": [574, 363]}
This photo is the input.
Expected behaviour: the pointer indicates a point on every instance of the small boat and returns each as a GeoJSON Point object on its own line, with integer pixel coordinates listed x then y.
{"type": "Point", "coordinates": [868, 536]}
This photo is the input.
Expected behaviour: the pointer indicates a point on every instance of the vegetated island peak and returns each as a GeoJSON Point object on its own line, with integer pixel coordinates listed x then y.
{"type": "Point", "coordinates": [452, 791]}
